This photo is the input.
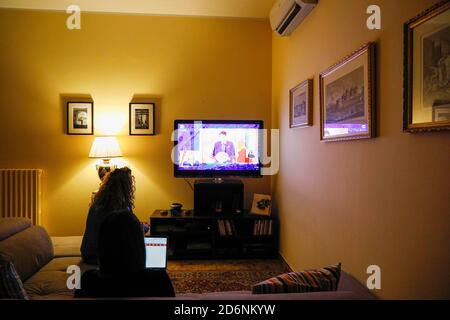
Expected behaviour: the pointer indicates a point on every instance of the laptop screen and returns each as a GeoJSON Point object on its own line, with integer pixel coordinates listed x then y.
{"type": "Point", "coordinates": [156, 250]}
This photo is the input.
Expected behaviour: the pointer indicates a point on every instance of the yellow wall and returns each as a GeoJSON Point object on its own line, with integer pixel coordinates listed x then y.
{"type": "Point", "coordinates": [193, 68]}
{"type": "Point", "coordinates": [383, 201]}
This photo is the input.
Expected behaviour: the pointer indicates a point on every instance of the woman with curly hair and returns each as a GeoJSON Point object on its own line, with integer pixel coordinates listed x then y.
{"type": "Point", "coordinates": [122, 268]}
{"type": "Point", "coordinates": [116, 193]}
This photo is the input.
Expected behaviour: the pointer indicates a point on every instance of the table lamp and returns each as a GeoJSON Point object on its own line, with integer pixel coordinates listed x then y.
{"type": "Point", "coordinates": [105, 148]}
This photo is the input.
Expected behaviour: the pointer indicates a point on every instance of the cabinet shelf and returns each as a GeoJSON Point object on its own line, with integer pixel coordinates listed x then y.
{"type": "Point", "coordinates": [194, 237]}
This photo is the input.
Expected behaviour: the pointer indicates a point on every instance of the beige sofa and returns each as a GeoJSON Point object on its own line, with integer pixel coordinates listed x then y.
{"type": "Point", "coordinates": [41, 262]}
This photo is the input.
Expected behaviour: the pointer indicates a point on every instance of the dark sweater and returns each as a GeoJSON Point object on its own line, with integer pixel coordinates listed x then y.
{"type": "Point", "coordinates": [89, 245]}
{"type": "Point", "coordinates": [145, 283]}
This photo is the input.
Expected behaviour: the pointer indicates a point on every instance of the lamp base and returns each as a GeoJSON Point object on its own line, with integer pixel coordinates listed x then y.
{"type": "Point", "coordinates": [104, 168]}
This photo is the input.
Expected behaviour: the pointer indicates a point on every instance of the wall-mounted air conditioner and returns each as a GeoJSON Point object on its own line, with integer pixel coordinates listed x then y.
{"type": "Point", "coordinates": [286, 15]}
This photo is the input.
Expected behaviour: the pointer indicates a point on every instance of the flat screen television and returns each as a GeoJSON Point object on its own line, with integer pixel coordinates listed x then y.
{"type": "Point", "coordinates": [217, 148]}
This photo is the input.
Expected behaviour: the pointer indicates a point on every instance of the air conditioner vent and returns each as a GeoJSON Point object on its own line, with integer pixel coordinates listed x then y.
{"type": "Point", "coordinates": [291, 16]}
{"type": "Point", "coordinates": [286, 15]}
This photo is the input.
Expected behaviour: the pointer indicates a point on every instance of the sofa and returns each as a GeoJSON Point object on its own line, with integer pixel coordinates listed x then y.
{"type": "Point", "coordinates": [41, 263]}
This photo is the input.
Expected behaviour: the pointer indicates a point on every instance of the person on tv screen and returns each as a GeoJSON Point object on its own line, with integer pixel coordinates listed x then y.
{"type": "Point", "coordinates": [224, 149]}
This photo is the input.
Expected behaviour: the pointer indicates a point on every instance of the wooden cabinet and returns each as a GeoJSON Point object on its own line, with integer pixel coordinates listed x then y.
{"type": "Point", "coordinates": [194, 236]}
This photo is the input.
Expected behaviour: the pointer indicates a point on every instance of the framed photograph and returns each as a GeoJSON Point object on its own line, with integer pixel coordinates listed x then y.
{"type": "Point", "coordinates": [142, 119]}
{"type": "Point", "coordinates": [301, 105]}
{"type": "Point", "coordinates": [347, 97]}
{"type": "Point", "coordinates": [80, 118]}
{"type": "Point", "coordinates": [427, 70]}
{"type": "Point", "coordinates": [262, 204]}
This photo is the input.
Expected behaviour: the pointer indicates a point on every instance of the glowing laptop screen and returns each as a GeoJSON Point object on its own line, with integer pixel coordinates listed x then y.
{"type": "Point", "coordinates": [156, 252]}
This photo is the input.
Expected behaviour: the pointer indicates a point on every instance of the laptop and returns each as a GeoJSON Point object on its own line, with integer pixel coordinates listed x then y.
{"type": "Point", "coordinates": [156, 252]}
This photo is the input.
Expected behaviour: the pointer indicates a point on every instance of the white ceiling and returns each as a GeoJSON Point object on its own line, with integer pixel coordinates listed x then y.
{"type": "Point", "coordinates": [253, 9]}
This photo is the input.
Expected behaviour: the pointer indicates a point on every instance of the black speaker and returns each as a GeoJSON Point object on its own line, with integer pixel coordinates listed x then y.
{"type": "Point", "coordinates": [215, 198]}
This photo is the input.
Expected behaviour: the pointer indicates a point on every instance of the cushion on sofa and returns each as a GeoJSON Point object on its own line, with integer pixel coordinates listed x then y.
{"type": "Point", "coordinates": [61, 263]}
{"type": "Point", "coordinates": [325, 279]}
{"type": "Point", "coordinates": [29, 250]}
{"type": "Point", "coordinates": [48, 283]}
{"type": "Point", "coordinates": [67, 246]}
{"type": "Point", "coordinates": [11, 226]}
{"type": "Point", "coordinates": [11, 286]}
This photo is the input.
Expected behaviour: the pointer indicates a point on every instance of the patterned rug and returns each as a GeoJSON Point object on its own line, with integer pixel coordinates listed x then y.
{"type": "Point", "coordinates": [221, 275]}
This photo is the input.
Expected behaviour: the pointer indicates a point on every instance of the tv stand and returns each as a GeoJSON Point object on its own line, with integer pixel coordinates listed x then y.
{"type": "Point", "coordinates": [220, 236]}
{"type": "Point", "coordinates": [218, 196]}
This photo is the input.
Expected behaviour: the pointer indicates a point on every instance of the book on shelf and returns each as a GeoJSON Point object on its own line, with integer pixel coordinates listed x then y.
{"type": "Point", "coordinates": [233, 228]}
{"type": "Point", "coordinates": [221, 227]}
{"type": "Point", "coordinates": [226, 227]}
{"type": "Point", "coordinates": [256, 230]}
{"type": "Point", "coordinates": [263, 228]}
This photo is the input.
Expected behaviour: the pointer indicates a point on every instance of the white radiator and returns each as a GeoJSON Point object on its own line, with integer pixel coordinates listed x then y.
{"type": "Point", "coordinates": [21, 194]}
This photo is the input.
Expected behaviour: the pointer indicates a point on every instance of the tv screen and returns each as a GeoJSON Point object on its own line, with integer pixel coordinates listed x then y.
{"type": "Point", "coordinates": [208, 148]}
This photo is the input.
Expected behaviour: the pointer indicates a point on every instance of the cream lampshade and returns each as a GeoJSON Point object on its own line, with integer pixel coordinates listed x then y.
{"type": "Point", "coordinates": [105, 148]}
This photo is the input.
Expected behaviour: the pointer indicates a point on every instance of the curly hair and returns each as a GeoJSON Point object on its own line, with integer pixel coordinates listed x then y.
{"type": "Point", "coordinates": [116, 191]}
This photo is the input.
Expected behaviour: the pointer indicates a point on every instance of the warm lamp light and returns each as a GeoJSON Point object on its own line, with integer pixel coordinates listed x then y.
{"type": "Point", "coordinates": [105, 148]}
{"type": "Point", "coordinates": [109, 123]}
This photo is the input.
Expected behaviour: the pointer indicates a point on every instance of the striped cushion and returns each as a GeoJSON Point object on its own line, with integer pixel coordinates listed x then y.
{"type": "Point", "coordinates": [11, 286]}
{"type": "Point", "coordinates": [325, 279]}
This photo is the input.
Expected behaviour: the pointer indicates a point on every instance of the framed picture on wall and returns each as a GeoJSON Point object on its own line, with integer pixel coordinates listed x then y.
{"type": "Point", "coordinates": [301, 105]}
{"type": "Point", "coordinates": [262, 204]}
{"type": "Point", "coordinates": [347, 97]}
{"type": "Point", "coordinates": [142, 119]}
{"type": "Point", "coordinates": [427, 70]}
{"type": "Point", "coordinates": [80, 118]}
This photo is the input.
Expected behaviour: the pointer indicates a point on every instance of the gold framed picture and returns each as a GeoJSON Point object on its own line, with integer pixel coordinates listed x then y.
{"type": "Point", "coordinates": [262, 204]}
{"type": "Point", "coordinates": [301, 105]}
{"type": "Point", "coordinates": [427, 70]}
{"type": "Point", "coordinates": [347, 97]}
